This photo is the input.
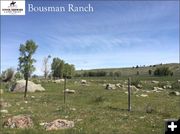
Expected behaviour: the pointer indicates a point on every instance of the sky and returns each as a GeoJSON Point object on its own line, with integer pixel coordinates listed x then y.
{"type": "Point", "coordinates": [117, 34]}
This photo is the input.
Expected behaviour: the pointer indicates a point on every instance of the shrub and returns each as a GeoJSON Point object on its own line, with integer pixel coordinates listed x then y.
{"type": "Point", "coordinates": [162, 71]}
{"type": "Point", "coordinates": [162, 84]}
{"type": "Point", "coordinates": [135, 82]}
{"type": "Point", "coordinates": [18, 76]}
{"type": "Point", "coordinates": [150, 72]}
{"type": "Point", "coordinates": [175, 85]}
{"type": "Point", "coordinates": [8, 75]}
{"type": "Point", "coordinates": [99, 99]}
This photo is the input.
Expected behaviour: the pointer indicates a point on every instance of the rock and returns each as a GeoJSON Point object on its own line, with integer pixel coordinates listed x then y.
{"type": "Point", "coordinates": [73, 109]}
{"type": "Point", "coordinates": [164, 87]}
{"type": "Point", "coordinates": [110, 86]}
{"type": "Point", "coordinates": [139, 86]}
{"type": "Point", "coordinates": [178, 81]}
{"type": "Point", "coordinates": [104, 85]}
{"type": "Point", "coordinates": [78, 120]}
{"type": "Point", "coordinates": [1, 91]}
{"type": "Point", "coordinates": [144, 95]}
{"type": "Point", "coordinates": [118, 85]}
{"type": "Point", "coordinates": [59, 124]}
{"type": "Point", "coordinates": [19, 121]}
{"type": "Point", "coordinates": [59, 81]}
{"type": "Point", "coordinates": [32, 87]}
{"type": "Point", "coordinates": [155, 82]}
{"type": "Point", "coordinates": [176, 93]}
{"type": "Point", "coordinates": [142, 117]}
{"type": "Point", "coordinates": [4, 104]}
{"type": "Point", "coordinates": [4, 111]}
{"type": "Point", "coordinates": [69, 91]}
{"type": "Point", "coordinates": [83, 82]}
{"type": "Point", "coordinates": [42, 123]}
{"type": "Point", "coordinates": [169, 87]}
{"type": "Point", "coordinates": [32, 97]}
{"type": "Point", "coordinates": [133, 88]}
{"type": "Point", "coordinates": [157, 88]}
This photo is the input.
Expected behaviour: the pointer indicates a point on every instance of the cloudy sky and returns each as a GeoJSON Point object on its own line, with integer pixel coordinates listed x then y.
{"type": "Point", "coordinates": [116, 34]}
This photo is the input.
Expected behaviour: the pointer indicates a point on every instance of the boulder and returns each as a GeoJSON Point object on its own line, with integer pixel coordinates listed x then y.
{"type": "Point", "coordinates": [176, 93]}
{"type": "Point", "coordinates": [83, 82]}
{"type": "Point", "coordinates": [157, 88]}
{"type": "Point", "coordinates": [139, 86]}
{"type": "Point", "coordinates": [178, 81]}
{"type": "Point", "coordinates": [155, 82]}
{"type": "Point", "coordinates": [118, 85]}
{"type": "Point", "coordinates": [4, 111]}
{"type": "Point", "coordinates": [110, 86]}
{"type": "Point", "coordinates": [4, 104]}
{"type": "Point", "coordinates": [134, 88]}
{"type": "Point", "coordinates": [19, 121]}
{"type": "Point", "coordinates": [168, 86]}
{"type": "Point", "coordinates": [59, 124]}
{"type": "Point", "coordinates": [1, 91]}
{"type": "Point", "coordinates": [32, 87]}
{"type": "Point", "coordinates": [144, 95]}
{"type": "Point", "coordinates": [164, 87]}
{"type": "Point", "coordinates": [69, 91]}
{"type": "Point", "coordinates": [59, 81]}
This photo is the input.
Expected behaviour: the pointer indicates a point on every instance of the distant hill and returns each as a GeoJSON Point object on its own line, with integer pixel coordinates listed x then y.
{"type": "Point", "coordinates": [142, 70]}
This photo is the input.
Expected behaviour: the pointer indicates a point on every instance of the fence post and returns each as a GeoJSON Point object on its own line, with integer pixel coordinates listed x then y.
{"type": "Point", "coordinates": [129, 94]}
{"type": "Point", "coordinates": [65, 90]}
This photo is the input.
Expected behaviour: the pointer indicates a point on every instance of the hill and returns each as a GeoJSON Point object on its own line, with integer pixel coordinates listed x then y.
{"type": "Point", "coordinates": [141, 70]}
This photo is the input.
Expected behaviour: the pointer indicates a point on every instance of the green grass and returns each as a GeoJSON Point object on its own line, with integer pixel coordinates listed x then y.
{"type": "Point", "coordinates": [102, 111]}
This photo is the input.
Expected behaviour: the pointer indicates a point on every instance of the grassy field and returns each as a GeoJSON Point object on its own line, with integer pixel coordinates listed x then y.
{"type": "Point", "coordinates": [94, 109]}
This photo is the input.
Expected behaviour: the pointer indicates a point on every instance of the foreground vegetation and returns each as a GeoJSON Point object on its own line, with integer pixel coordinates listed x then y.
{"type": "Point", "coordinates": [94, 109]}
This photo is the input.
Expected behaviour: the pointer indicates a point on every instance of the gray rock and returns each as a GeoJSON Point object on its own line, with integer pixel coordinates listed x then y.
{"type": "Point", "coordinates": [4, 111]}
{"type": "Point", "coordinates": [139, 86]}
{"type": "Point", "coordinates": [32, 87]}
{"type": "Point", "coordinates": [19, 121]}
{"type": "Point", "coordinates": [176, 93]}
{"type": "Point", "coordinates": [110, 86]}
{"type": "Point", "coordinates": [83, 82]}
{"type": "Point", "coordinates": [118, 85]}
{"type": "Point", "coordinates": [59, 124]}
{"type": "Point", "coordinates": [69, 91]}
{"type": "Point", "coordinates": [59, 81]}
{"type": "Point", "coordinates": [155, 82]}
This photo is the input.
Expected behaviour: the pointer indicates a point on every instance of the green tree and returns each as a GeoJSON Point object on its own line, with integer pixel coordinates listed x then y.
{"type": "Point", "coordinates": [69, 70]}
{"type": "Point", "coordinates": [26, 61]}
{"type": "Point", "coordinates": [57, 68]}
{"type": "Point", "coordinates": [18, 75]}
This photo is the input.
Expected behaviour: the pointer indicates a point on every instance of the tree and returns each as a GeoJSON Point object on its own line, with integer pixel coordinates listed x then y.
{"type": "Point", "coordinates": [57, 68]}
{"type": "Point", "coordinates": [150, 72]}
{"type": "Point", "coordinates": [162, 71]}
{"type": "Point", "coordinates": [26, 61]}
{"type": "Point", "coordinates": [137, 73]}
{"type": "Point", "coordinates": [18, 75]}
{"type": "Point", "coordinates": [46, 66]}
{"type": "Point", "coordinates": [7, 75]}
